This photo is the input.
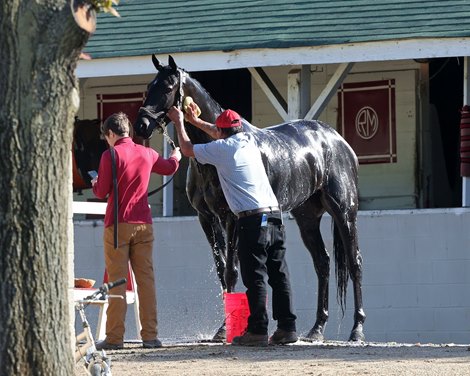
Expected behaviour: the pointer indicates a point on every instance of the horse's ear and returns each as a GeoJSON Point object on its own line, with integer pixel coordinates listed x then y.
{"type": "Point", "coordinates": [172, 63]}
{"type": "Point", "coordinates": [156, 63]}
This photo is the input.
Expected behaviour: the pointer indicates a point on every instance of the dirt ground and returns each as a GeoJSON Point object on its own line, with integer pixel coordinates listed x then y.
{"type": "Point", "coordinates": [301, 358]}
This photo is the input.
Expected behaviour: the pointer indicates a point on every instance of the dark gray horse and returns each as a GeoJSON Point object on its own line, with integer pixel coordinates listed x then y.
{"type": "Point", "coordinates": [312, 171]}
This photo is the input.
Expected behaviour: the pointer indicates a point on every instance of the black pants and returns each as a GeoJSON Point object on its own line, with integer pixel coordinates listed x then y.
{"type": "Point", "coordinates": [261, 251]}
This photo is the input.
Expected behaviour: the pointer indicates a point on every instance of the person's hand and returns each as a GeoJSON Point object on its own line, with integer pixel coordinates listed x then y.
{"type": "Point", "coordinates": [176, 153]}
{"type": "Point", "coordinates": [93, 181]}
{"type": "Point", "coordinates": [192, 113]}
{"type": "Point", "coordinates": [176, 116]}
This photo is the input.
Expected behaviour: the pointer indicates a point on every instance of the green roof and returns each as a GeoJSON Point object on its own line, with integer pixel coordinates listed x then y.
{"type": "Point", "coordinates": [162, 27]}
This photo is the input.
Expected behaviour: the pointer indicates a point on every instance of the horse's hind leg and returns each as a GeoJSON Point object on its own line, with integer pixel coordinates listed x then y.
{"type": "Point", "coordinates": [308, 217]}
{"type": "Point", "coordinates": [343, 209]}
{"type": "Point", "coordinates": [355, 272]}
{"type": "Point", "coordinates": [355, 262]}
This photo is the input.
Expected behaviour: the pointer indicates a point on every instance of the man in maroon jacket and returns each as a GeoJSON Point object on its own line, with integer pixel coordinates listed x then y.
{"type": "Point", "coordinates": [134, 164]}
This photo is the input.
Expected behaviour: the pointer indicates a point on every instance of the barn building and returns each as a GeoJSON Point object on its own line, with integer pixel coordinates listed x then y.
{"type": "Point", "coordinates": [391, 77]}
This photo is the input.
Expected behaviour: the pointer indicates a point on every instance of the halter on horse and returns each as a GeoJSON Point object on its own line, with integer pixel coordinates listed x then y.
{"type": "Point", "coordinates": [312, 170]}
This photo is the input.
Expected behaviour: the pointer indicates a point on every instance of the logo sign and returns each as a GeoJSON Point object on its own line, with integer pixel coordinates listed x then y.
{"type": "Point", "coordinates": [367, 120]}
{"type": "Point", "coordinates": [367, 123]}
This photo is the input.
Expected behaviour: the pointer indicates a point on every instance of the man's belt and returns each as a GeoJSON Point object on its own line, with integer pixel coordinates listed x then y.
{"type": "Point", "coordinates": [247, 213]}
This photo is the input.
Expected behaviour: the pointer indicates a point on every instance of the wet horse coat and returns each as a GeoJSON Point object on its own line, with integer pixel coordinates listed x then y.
{"type": "Point", "coordinates": [312, 170]}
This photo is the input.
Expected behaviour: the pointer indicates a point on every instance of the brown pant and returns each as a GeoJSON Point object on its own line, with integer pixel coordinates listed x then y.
{"type": "Point", "coordinates": [135, 245]}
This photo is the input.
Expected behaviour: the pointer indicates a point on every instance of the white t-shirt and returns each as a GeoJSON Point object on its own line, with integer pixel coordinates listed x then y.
{"type": "Point", "coordinates": [241, 171]}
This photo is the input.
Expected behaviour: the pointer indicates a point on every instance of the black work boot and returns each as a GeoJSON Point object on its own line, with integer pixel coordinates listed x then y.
{"type": "Point", "coordinates": [283, 337]}
{"type": "Point", "coordinates": [250, 339]}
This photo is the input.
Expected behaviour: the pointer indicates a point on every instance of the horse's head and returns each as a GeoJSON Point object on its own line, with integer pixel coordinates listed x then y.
{"type": "Point", "coordinates": [164, 91]}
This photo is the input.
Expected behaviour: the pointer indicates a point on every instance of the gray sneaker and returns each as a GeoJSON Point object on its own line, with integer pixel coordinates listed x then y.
{"type": "Point", "coordinates": [250, 339]}
{"type": "Point", "coordinates": [152, 344]}
{"type": "Point", "coordinates": [283, 337]}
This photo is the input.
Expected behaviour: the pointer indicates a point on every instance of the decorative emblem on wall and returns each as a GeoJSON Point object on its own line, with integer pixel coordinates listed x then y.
{"type": "Point", "coordinates": [367, 122]}
{"type": "Point", "coordinates": [367, 119]}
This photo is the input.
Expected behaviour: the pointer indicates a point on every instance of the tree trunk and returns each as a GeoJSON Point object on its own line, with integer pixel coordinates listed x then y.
{"type": "Point", "coordinates": [40, 46]}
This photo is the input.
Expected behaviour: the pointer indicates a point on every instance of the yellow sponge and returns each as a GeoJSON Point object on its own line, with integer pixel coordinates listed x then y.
{"type": "Point", "coordinates": [187, 101]}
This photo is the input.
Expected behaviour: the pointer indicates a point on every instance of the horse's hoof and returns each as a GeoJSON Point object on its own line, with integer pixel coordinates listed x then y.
{"type": "Point", "coordinates": [314, 335]}
{"type": "Point", "coordinates": [357, 336]}
{"type": "Point", "coordinates": [220, 335]}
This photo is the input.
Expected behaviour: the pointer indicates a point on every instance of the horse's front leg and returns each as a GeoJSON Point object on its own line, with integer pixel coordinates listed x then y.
{"type": "Point", "coordinates": [215, 236]}
{"type": "Point", "coordinates": [231, 267]}
{"type": "Point", "coordinates": [209, 221]}
{"type": "Point", "coordinates": [214, 233]}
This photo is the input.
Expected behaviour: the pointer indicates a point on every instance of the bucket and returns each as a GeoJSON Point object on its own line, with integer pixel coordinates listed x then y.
{"type": "Point", "coordinates": [236, 314]}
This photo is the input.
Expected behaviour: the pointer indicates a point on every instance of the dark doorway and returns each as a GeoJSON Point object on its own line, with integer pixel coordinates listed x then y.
{"type": "Point", "coordinates": [446, 94]}
{"type": "Point", "coordinates": [230, 88]}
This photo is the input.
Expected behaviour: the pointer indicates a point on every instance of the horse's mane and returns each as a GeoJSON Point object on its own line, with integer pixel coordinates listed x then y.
{"type": "Point", "coordinates": [210, 109]}
{"type": "Point", "coordinates": [215, 106]}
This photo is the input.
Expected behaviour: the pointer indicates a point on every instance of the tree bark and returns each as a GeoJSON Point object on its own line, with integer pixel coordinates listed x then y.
{"type": "Point", "coordinates": [40, 46]}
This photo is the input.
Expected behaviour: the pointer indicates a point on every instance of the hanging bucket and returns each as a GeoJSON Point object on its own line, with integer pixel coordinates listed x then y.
{"type": "Point", "coordinates": [236, 314]}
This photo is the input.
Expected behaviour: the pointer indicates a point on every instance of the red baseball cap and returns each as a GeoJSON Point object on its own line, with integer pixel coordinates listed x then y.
{"type": "Point", "coordinates": [228, 119]}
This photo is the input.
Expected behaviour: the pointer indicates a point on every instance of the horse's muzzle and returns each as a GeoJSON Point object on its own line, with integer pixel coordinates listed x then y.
{"type": "Point", "coordinates": [144, 127]}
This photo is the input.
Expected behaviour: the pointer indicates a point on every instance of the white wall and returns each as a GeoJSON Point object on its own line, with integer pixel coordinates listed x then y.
{"type": "Point", "coordinates": [416, 282]}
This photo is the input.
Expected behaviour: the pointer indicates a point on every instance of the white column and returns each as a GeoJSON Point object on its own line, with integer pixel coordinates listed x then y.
{"type": "Point", "coordinates": [305, 90]}
{"type": "Point", "coordinates": [293, 94]}
{"type": "Point", "coordinates": [298, 92]}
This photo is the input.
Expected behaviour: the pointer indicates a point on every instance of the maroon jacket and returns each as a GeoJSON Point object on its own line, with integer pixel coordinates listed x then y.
{"type": "Point", "coordinates": [134, 165]}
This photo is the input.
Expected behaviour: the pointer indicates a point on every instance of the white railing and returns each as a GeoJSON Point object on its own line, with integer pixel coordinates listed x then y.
{"type": "Point", "coordinates": [83, 207]}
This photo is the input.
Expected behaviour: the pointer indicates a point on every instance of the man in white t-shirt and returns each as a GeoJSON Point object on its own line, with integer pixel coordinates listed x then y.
{"type": "Point", "coordinates": [261, 235]}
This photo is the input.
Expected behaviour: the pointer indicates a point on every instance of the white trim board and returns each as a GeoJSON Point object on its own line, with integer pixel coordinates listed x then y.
{"type": "Point", "coordinates": [333, 54]}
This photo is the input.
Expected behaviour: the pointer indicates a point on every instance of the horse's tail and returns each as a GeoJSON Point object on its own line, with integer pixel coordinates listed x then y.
{"type": "Point", "coordinates": [341, 268]}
